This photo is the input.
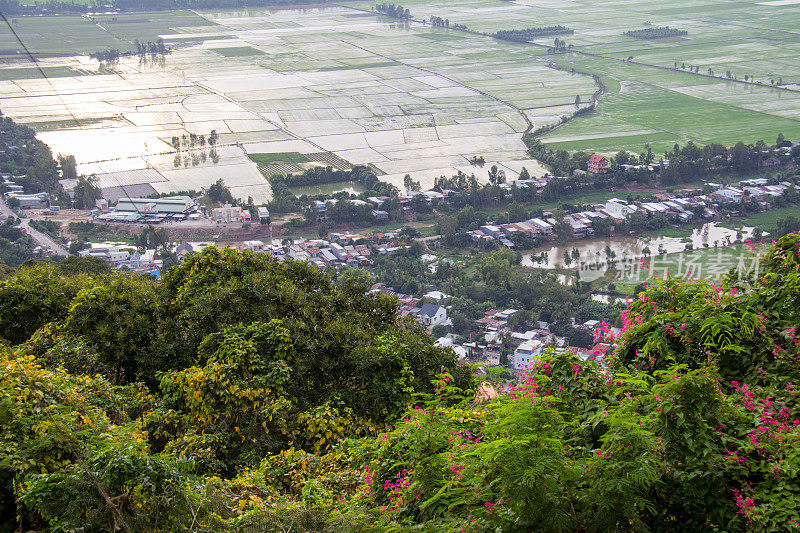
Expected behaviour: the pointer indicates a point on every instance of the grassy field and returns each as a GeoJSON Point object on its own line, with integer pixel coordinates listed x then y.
{"type": "Point", "coordinates": [148, 26]}
{"type": "Point", "coordinates": [69, 34]}
{"type": "Point", "coordinates": [283, 157]}
{"type": "Point", "coordinates": [31, 73]}
{"type": "Point", "coordinates": [722, 112]}
{"type": "Point", "coordinates": [65, 35]}
{"type": "Point", "coordinates": [705, 263]}
{"type": "Point", "coordinates": [238, 51]}
{"type": "Point", "coordinates": [767, 219]}
{"type": "Point", "coordinates": [328, 189]}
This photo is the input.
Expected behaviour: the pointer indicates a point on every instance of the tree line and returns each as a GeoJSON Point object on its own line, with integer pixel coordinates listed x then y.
{"type": "Point", "coordinates": [445, 23]}
{"type": "Point", "coordinates": [530, 34]}
{"type": "Point", "coordinates": [661, 32]}
{"type": "Point", "coordinates": [285, 201]}
{"type": "Point", "coordinates": [192, 140]}
{"type": "Point", "coordinates": [679, 165]}
{"type": "Point", "coordinates": [112, 55]}
{"type": "Point", "coordinates": [396, 11]}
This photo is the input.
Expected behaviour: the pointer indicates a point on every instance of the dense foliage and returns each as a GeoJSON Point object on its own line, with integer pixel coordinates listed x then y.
{"type": "Point", "coordinates": [27, 158]}
{"type": "Point", "coordinates": [15, 246]}
{"type": "Point", "coordinates": [86, 192]}
{"type": "Point", "coordinates": [693, 425]}
{"type": "Point", "coordinates": [680, 165]}
{"type": "Point", "coordinates": [285, 201]}
{"type": "Point", "coordinates": [232, 357]}
{"type": "Point", "coordinates": [392, 10]}
{"type": "Point", "coordinates": [264, 419]}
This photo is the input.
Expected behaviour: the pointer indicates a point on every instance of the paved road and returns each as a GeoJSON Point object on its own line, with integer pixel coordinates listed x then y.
{"type": "Point", "coordinates": [38, 237]}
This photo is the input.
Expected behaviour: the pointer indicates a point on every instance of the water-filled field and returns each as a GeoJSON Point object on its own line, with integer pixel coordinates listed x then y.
{"type": "Point", "coordinates": [404, 97]}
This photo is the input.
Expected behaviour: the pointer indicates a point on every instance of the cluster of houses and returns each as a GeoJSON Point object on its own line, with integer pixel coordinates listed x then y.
{"type": "Point", "coordinates": [127, 258]}
{"type": "Point", "coordinates": [677, 208]}
{"type": "Point", "coordinates": [227, 213]}
{"type": "Point", "coordinates": [147, 261]}
{"type": "Point", "coordinates": [494, 334]}
{"type": "Point", "coordinates": [527, 346]}
{"type": "Point", "coordinates": [12, 189]}
{"type": "Point", "coordinates": [757, 190]}
{"type": "Point", "coordinates": [376, 203]}
{"type": "Point", "coordinates": [429, 311]}
{"type": "Point", "coordinates": [338, 250]}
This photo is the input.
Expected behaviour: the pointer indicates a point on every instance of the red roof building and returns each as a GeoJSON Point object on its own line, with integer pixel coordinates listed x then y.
{"type": "Point", "coordinates": [598, 164]}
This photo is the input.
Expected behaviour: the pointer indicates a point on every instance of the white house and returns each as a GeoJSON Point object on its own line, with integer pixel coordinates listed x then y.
{"type": "Point", "coordinates": [527, 353]}
{"type": "Point", "coordinates": [541, 225]}
{"type": "Point", "coordinates": [432, 315]}
{"type": "Point", "coordinates": [731, 193]}
{"type": "Point", "coordinates": [618, 209]}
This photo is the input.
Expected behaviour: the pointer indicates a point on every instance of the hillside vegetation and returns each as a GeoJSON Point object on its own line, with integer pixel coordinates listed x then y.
{"type": "Point", "coordinates": [243, 394]}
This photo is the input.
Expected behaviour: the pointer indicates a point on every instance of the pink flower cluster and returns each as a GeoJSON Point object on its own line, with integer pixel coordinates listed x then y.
{"type": "Point", "coordinates": [398, 489]}
{"type": "Point", "coordinates": [746, 506]}
{"type": "Point", "coordinates": [529, 387]}
{"type": "Point", "coordinates": [455, 468]}
{"type": "Point", "coordinates": [368, 480]}
{"type": "Point", "coordinates": [733, 456]}
{"type": "Point", "coordinates": [603, 333]}
{"type": "Point", "coordinates": [772, 422]}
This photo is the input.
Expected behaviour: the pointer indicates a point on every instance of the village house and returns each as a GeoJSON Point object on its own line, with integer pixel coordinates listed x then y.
{"type": "Point", "coordinates": [543, 227]}
{"type": "Point", "coordinates": [183, 250]}
{"type": "Point", "coordinates": [432, 314]}
{"type": "Point", "coordinates": [731, 194]}
{"type": "Point", "coordinates": [227, 213]}
{"type": "Point", "coordinates": [597, 164]}
{"type": "Point", "coordinates": [263, 215]}
{"type": "Point", "coordinates": [527, 353]}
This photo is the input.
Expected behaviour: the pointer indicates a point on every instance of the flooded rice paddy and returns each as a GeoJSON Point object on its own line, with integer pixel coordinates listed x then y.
{"type": "Point", "coordinates": [407, 98]}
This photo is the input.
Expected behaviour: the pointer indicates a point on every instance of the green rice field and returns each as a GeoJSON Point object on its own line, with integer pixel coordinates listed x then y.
{"type": "Point", "coordinates": [283, 157]}
{"type": "Point", "coordinates": [66, 35]}
{"type": "Point", "coordinates": [704, 263]}
{"type": "Point", "coordinates": [651, 99]}
{"type": "Point", "coordinates": [767, 219]}
{"type": "Point", "coordinates": [238, 51]}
